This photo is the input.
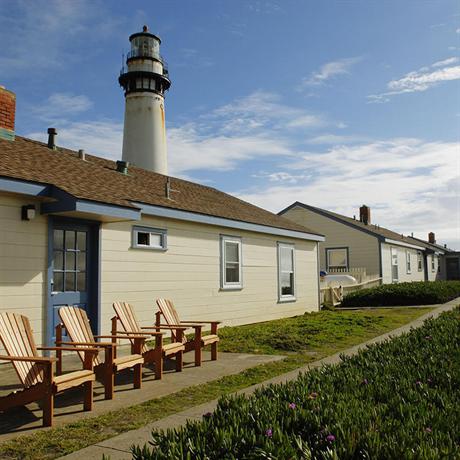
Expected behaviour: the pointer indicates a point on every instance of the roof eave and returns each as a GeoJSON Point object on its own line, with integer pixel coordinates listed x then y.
{"type": "Point", "coordinates": [160, 211]}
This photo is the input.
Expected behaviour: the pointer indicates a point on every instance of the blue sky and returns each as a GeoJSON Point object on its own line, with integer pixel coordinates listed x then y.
{"type": "Point", "coordinates": [333, 103]}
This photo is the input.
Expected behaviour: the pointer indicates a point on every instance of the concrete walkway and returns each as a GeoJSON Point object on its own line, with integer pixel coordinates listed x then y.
{"type": "Point", "coordinates": [69, 405]}
{"type": "Point", "coordinates": [119, 447]}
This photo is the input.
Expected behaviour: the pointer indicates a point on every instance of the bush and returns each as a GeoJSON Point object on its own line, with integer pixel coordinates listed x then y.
{"type": "Point", "coordinates": [397, 399]}
{"type": "Point", "coordinates": [415, 293]}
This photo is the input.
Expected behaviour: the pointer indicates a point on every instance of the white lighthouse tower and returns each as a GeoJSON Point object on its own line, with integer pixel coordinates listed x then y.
{"type": "Point", "coordinates": [145, 79]}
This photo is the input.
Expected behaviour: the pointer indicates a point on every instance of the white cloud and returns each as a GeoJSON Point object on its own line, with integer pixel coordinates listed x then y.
{"type": "Point", "coordinates": [330, 70]}
{"type": "Point", "coordinates": [457, 31]}
{"type": "Point", "coordinates": [102, 138]}
{"type": "Point", "coordinates": [257, 112]}
{"type": "Point", "coordinates": [336, 139]}
{"type": "Point", "coordinates": [62, 105]}
{"type": "Point", "coordinates": [445, 62]}
{"type": "Point", "coordinates": [421, 80]}
{"type": "Point", "coordinates": [282, 176]}
{"type": "Point", "coordinates": [411, 185]}
{"type": "Point", "coordinates": [45, 35]}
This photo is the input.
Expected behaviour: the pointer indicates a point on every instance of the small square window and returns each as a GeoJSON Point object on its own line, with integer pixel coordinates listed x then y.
{"type": "Point", "coordinates": [149, 238]}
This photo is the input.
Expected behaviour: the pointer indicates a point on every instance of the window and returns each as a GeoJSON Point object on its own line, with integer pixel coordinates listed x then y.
{"type": "Point", "coordinates": [337, 258]}
{"type": "Point", "coordinates": [408, 267]}
{"type": "Point", "coordinates": [69, 260]}
{"type": "Point", "coordinates": [394, 265]}
{"type": "Point", "coordinates": [286, 272]}
{"type": "Point", "coordinates": [419, 261]}
{"type": "Point", "coordinates": [231, 262]}
{"type": "Point", "coordinates": [149, 238]}
{"type": "Point", "coordinates": [433, 264]}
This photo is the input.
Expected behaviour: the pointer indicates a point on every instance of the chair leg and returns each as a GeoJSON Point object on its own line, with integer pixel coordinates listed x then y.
{"type": "Point", "coordinates": [48, 408]}
{"type": "Point", "coordinates": [179, 361]}
{"type": "Point", "coordinates": [88, 396]}
{"type": "Point", "coordinates": [109, 373]}
{"type": "Point", "coordinates": [138, 376]}
{"type": "Point", "coordinates": [214, 351]}
{"type": "Point", "coordinates": [198, 358]}
{"type": "Point", "coordinates": [159, 365]}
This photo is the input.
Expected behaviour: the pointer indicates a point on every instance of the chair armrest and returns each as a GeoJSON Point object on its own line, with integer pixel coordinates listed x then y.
{"type": "Point", "coordinates": [37, 359]}
{"type": "Point", "coordinates": [174, 327]}
{"type": "Point", "coordinates": [147, 334]}
{"type": "Point", "coordinates": [91, 350]}
{"type": "Point", "coordinates": [90, 344]}
{"type": "Point", "coordinates": [201, 322]}
{"type": "Point", "coordinates": [119, 337]}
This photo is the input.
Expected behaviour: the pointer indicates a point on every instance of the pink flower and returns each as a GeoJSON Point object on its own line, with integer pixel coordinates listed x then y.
{"type": "Point", "coordinates": [330, 438]}
{"type": "Point", "coordinates": [418, 383]}
{"type": "Point", "coordinates": [292, 406]}
{"type": "Point", "coordinates": [428, 429]}
{"type": "Point", "coordinates": [269, 433]}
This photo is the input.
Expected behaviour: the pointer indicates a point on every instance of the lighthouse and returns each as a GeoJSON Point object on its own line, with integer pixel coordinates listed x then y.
{"type": "Point", "coordinates": [145, 79]}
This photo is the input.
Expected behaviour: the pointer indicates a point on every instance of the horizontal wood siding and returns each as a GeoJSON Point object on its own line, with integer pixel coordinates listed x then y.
{"type": "Point", "coordinates": [23, 263]}
{"type": "Point", "coordinates": [403, 276]}
{"type": "Point", "coordinates": [363, 248]}
{"type": "Point", "coordinates": [189, 273]}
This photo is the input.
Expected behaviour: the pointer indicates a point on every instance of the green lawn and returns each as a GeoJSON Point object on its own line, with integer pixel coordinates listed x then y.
{"type": "Point", "coordinates": [302, 339]}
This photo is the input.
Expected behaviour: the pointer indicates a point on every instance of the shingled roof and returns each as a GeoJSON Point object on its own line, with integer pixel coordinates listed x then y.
{"type": "Point", "coordinates": [368, 228]}
{"type": "Point", "coordinates": [97, 179]}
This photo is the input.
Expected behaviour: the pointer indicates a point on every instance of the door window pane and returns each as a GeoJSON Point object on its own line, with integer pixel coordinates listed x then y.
{"type": "Point", "coordinates": [69, 239]}
{"type": "Point", "coordinates": [81, 281]}
{"type": "Point", "coordinates": [58, 280]}
{"type": "Point", "coordinates": [58, 239]}
{"type": "Point", "coordinates": [70, 281]}
{"type": "Point", "coordinates": [70, 261]}
{"type": "Point", "coordinates": [58, 260]}
{"type": "Point", "coordinates": [81, 241]}
{"type": "Point", "coordinates": [81, 261]}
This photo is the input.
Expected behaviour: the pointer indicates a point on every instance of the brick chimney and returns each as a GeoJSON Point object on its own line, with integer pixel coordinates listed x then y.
{"type": "Point", "coordinates": [365, 214]}
{"type": "Point", "coordinates": [431, 238]}
{"type": "Point", "coordinates": [7, 113]}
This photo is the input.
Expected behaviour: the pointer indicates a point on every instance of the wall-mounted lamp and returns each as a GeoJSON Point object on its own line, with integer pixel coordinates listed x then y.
{"type": "Point", "coordinates": [28, 212]}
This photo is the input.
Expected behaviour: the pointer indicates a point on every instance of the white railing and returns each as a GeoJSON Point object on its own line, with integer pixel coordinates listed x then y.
{"type": "Point", "coordinates": [360, 273]}
{"type": "Point", "coordinates": [335, 294]}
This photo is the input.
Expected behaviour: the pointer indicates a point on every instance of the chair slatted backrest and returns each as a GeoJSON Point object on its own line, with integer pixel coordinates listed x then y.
{"type": "Point", "coordinates": [128, 320]}
{"type": "Point", "coordinates": [170, 314]}
{"type": "Point", "coordinates": [77, 325]}
{"type": "Point", "coordinates": [17, 339]}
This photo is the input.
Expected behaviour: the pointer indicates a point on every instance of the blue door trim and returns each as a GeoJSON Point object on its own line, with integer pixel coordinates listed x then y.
{"type": "Point", "coordinates": [94, 276]}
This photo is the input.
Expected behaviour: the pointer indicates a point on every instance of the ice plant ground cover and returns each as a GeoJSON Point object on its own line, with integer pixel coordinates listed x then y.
{"type": "Point", "coordinates": [301, 339]}
{"type": "Point", "coordinates": [397, 399]}
{"type": "Point", "coordinates": [414, 293]}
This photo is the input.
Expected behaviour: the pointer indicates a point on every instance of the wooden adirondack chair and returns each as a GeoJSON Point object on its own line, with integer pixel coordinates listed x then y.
{"type": "Point", "coordinates": [76, 323]}
{"type": "Point", "coordinates": [127, 318]}
{"type": "Point", "coordinates": [36, 372]}
{"type": "Point", "coordinates": [171, 317]}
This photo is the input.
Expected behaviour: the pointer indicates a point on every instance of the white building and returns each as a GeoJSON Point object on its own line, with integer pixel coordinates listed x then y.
{"type": "Point", "coordinates": [354, 244]}
{"type": "Point", "coordinates": [82, 230]}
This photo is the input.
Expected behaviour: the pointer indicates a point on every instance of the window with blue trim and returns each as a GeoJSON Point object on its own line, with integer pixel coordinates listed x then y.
{"type": "Point", "coordinates": [149, 238]}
